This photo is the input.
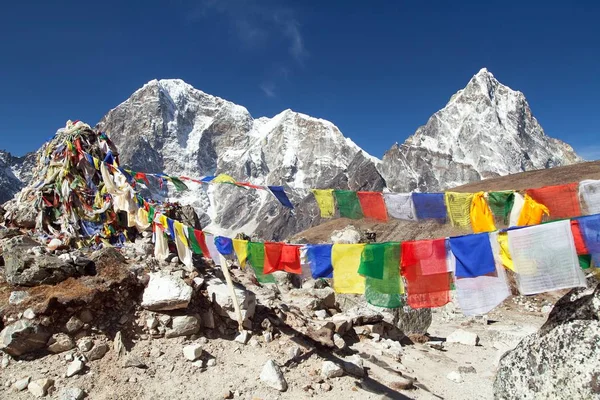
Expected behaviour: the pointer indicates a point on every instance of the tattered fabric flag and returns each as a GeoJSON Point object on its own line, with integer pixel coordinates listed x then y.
{"type": "Point", "coordinates": [151, 212]}
{"type": "Point", "coordinates": [517, 207]}
{"type": "Point", "coordinates": [585, 261]}
{"type": "Point", "coordinates": [224, 245]}
{"type": "Point", "coordinates": [387, 291]}
{"type": "Point", "coordinates": [580, 246]}
{"type": "Point", "coordinates": [208, 179]}
{"type": "Point", "coordinates": [430, 255]}
{"type": "Point", "coordinates": [562, 201]}
{"type": "Point", "coordinates": [272, 257]}
{"type": "Point", "coordinates": [501, 204]}
{"type": "Point", "coordinates": [171, 227]}
{"type": "Point", "coordinates": [372, 260]}
{"type": "Point", "coordinates": [324, 198]}
{"type": "Point", "coordinates": [426, 291]}
{"type": "Point", "coordinates": [348, 204]}
{"type": "Point", "coordinates": [223, 178]}
{"type": "Point", "coordinates": [480, 295]}
{"type": "Point", "coordinates": [458, 206]}
{"type": "Point", "coordinates": [545, 258]}
{"type": "Point", "coordinates": [126, 174]}
{"type": "Point", "coordinates": [589, 191]}
{"type": "Point", "coordinates": [201, 239]}
{"type": "Point", "coordinates": [183, 251]}
{"type": "Point", "coordinates": [482, 219]}
{"type": "Point", "coordinates": [473, 255]}
{"type": "Point", "coordinates": [241, 251]}
{"type": "Point", "coordinates": [532, 212]}
{"type": "Point", "coordinates": [179, 185]}
{"type": "Point", "coordinates": [161, 245]}
{"type": "Point", "coordinates": [279, 193]}
{"type": "Point", "coordinates": [590, 229]}
{"type": "Point", "coordinates": [430, 206]}
{"type": "Point", "coordinates": [345, 259]}
{"type": "Point", "coordinates": [141, 178]}
{"type": "Point", "coordinates": [319, 258]}
{"type": "Point", "coordinates": [256, 258]}
{"type": "Point", "coordinates": [400, 206]}
{"type": "Point", "coordinates": [373, 205]}
{"type": "Point", "coordinates": [212, 248]}
{"type": "Point", "coordinates": [109, 159]}
{"type": "Point", "coordinates": [505, 256]}
{"type": "Point", "coordinates": [194, 241]}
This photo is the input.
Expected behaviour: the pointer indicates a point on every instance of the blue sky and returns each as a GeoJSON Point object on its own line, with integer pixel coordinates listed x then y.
{"type": "Point", "coordinates": [377, 69]}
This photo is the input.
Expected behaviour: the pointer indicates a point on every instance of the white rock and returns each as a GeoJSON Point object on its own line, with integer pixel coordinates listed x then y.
{"type": "Point", "coordinates": [243, 337]}
{"type": "Point", "coordinates": [75, 367]}
{"type": "Point", "coordinates": [295, 352]}
{"type": "Point", "coordinates": [354, 366]}
{"type": "Point", "coordinates": [218, 293]}
{"type": "Point", "coordinates": [198, 282]}
{"type": "Point", "coordinates": [463, 337]}
{"type": "Point", "coordinates": [339, 342]}
{"type": "Point", "coordinates": [184, 325]}
{"type": "Point", "coordinates": [5, 361]}
{"type": "Point", "coordinates": [97, 352]}
{"type": "Point", "coordinates": [268, 337]}
{"type": "Point", "coordinates": [192, 352]}
{"type": "Point", "coordinates": [69, 357]}
{"type": "Point", "coordinates": [60, 342]}
{"type": "Point", "coordinates": [546, 309]}
{"type": "Point", "coordinates": [54, 244]}
{"type": "Point", "coordinates": [329, 369]}
{"type": "Point", "coordinates": [85, 344]}
{"type": "Point", "coordinates": [39, 388]}
{"type": "Point", "coordinates": [166, 292]}
{"type": "Point", "coordinates": [211, 362]}
{"type": "Point", "coordinates": [152, 322]}
{"type": "Point", "coordinates": [321, 314]}
{"type": "Point", "coordinates": [17, 296]}
{"type": "Point", "coordinates": [72, 393]}
{"type": "Point", "coordinates": [272, 376]}
{"type": "Point", "coordinates": [29, 314]}
{"type": "Point", "coordinates": [118, 345]}
{"type": "Point", "coordinates": [21, 384]}
{"type": "Point", "coordinates": [455, 377]}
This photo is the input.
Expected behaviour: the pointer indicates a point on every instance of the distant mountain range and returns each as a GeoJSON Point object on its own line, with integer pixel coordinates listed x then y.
{"type": "Point", "coordinates": [485, 130]}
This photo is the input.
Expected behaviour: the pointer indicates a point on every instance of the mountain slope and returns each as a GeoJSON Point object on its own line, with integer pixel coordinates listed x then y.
{"type": "Point", "coordinates": [15, 172]}
{"type": "Point", "coordinates": [485, 130]}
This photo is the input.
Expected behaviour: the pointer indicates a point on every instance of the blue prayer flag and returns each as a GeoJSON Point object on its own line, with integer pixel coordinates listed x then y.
{"type": "Point", "coordinates": [281, 196]}
{"type": "Point", "coordinates": [473, 254]}
{"type": "Point", "coordinates": [429, 205]}
{"type": "Point", "coordinates": [319, 258]}
{"type": "Point", "coordinates": [224, 245]}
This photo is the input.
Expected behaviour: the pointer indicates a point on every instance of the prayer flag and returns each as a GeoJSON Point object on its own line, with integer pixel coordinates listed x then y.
{"type": "Point", "coordinates": [201, 239]}
{"type": "Point", "coordinates": [372, 260]}
{"type": "Point", "coordinates": [194, 244]}
{"type": "Point", "coordinates": [430, 205]}
{"type": "Point", "coordinates": [212, 248]}
{"type": "Point", "coordinates": [501, 204]}
{"type": "Point", "coordinates": [324, 198]}
{"type": "Point", "coordinates": [345, 259]}
{"type": "Point", "coordinates": [256, 258]}
{"type": "Point", "coordinates": [580, 246]}
{"type": "Point", "coordinates": [319, 258]}
{"type": "Point", "coordinates": [459, 208]}
{"type": "Point", "coordinates": [562, 201]}
{"type": "Point", "coordinates": [241, 251]}
{"type": "Point", "coordinates": [473, 255]}
{"type": "Point", "coordinates": [386, 292]}
{"type": "Point", "coordinates": [279, 193]}
{"type": "Point", "coordinates": [430, 255]}
{"type": "Point", "coordinates": [373, 205]}
{"type": "Point", "coordinates": [482, 219]}
{"type": "Point", "coordinates": [532, 212]}
{"type": "Point", "coordinates": [400, 206]}
{"type": "Point", "coordinates": [224, 245]}
{"type": "Point", "coordinates": [589, 191]}
{"type": "Point", "coordinates": [223, 178]}
{"type": "Point", "coordinates": [348, 204]}
{"type": "Point", "coordinates": [179, 185]}
{"type": "Point", "coordinates": [590, 229]}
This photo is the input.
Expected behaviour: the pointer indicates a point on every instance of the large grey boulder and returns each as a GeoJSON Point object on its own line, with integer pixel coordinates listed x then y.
{"type": "Point", "coordinates": [22, 337]}
{"type": "Point", "coordinates": [166, 292]}
{"type": "Point", "coordinates": [413, 321]}
{"type": "Point", "coordinates": [561, 360]}
{"type": "Point", "coordinates": [219, 294]}
{"type": "Point", "coordinates": [24, 268]}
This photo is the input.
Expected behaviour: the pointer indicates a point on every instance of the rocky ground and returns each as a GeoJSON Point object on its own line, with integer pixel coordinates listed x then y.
{"type": "Point", "coordinates": [117, 324]}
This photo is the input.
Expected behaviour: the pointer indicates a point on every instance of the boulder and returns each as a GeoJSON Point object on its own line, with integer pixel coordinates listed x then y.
{"type": "Point", "coordinates": [22, 337]}
{"type": "Point", "coordinates": [184, 326]}
{"type": "Point", "coordinates": [21, 384]}
{"type": "Point", "coordinates": [75, 367]}
{"type": "Point", "coordinates": [60, 342]}
{"type": "Point", "coordinates": [97, 352]}
{"type": "Point", "coordinates": [72, 393]}
{"type": "Point", "coordinates": [463, 337]}
{"type": "Point", "coordinates": [354, 365]}
{"type": "Point", "coordinates": [412, 321]}
{"type": "Point", "coordinates": [73, 325]}
{"type": "Point", "coordinates": [218, 292]}
{"type": "Point", "coordinates": [329, 369]}
{"type": "Point", "coordinates": [272, 376]}
{"type": "Point", "coordinates": [17, 296]}
{"type": "Point", "coordinates": [22, 268]}
{"type": "Point", "coordinates": [39, 388]}
{"type": "Point", "coordinates": [561, 360]}
{"type": "Point", "coordinates": [192, 352]}
{"type": "Point", "coordinates": [314, 299]}
{"type": "Point", "coordinates": [347, 235]}
{"type": "Point", "coordinates": [166, 292]}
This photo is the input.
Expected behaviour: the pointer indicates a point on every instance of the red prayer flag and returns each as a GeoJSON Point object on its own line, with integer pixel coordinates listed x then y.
{"type": "Point", "coordinates": [272, 257]}
{"type": "Point", "coordinates": [141, 176]}
{"type": "Point", "coordinates": [578, 238]}
{"type": "Point", "coordinates": [373, 205]}
{"type": "Point", "coordinates": [561, 200]}
{"type": "Point", "coordinates": [290, 259]}
{"type": "Point", "coordinates": [199, 235]}
{"type": "Point", "coordinates": [429, 255]}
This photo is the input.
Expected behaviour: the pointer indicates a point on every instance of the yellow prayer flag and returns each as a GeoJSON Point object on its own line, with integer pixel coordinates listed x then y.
{"type": "Point", "coordinates": [459, 208]}
{"type": "Point", "coordinates": [241, 251]}
{"type": "Point", "coordinates": [345, 259]}
{"type": "Point", "coordinates": [482, 219]}
{"type": "Point", "coordinates": [325, 201]}
{"type": "Point", "coordinates": [162, 219]}
{"type": "Point", "coordinates": [223, 178]}
{"type": "Point", "coordinates": [504, 252]}
{"type": "Point", "coordinates": [532, 212]}
{"type": "Point", "coordinates": [179, 232]}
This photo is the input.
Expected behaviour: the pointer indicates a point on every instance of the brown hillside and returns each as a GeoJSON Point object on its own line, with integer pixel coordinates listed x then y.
{"type": "Point", "coordinates": [396, 230]}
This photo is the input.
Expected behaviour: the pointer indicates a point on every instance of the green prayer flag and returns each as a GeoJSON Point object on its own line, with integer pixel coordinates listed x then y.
{"type": "Point", "coordinates": [501, 204]}
{"type": "Point", "coordinates": [372, 260]}
{"type": "Point", "coordinates": [151, 214]}
{"type": "Point", "coordinates": [195, 246]}
{"type": "Point", "coordinates": [179, 185]}
{"type": "Point", "coordinates": [386, 292]}
{"type": "Point", "coordinates": [585, 261]}
{"type": "Point", "coordinates": [256, 258]}
{"type": "Point", "coordinates": [348, 204]}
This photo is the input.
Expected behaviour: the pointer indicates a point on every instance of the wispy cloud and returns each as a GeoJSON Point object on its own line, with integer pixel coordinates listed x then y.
{"type": "Point", "coordinates": [258, 24]}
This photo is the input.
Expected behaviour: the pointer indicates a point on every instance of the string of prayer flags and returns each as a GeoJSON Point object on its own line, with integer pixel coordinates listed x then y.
{"type": "Point", "coordinates": [545, 258]}
{"type": "Point", "coordinates": [482, 219]}
{"type": "Point", "coordinates": [256, 258]}
{"type": "Point", "coordinates": [589, 192]}
{"type": "Point", "coordinates": [400, 206]}
{"type": "Point", "coordinates": [224, 245]}
{"type": "Point", "coordinates": [590, 229]}
{"type": "Point", "coordinates": [430, 206]}
{"type": "Point", "coordinates": [532, 212]}
{"type": "Point", "coordinates": [580, 246]}
{"type": "Point", "coordinates": [179, 185]}
{"type": "Point", "coordinates": [501, 204]}
{"type": "Point", "coordinates": [223, 178]}
{"type": "Point", "coordinates": [319, 258]}
{"type": "Point", "coordinates": [562, 201]}
{"type": "Point", "coordinates": [325, 201]}
{"type": "Point", "coordinates": [458, 206]}
{"type": "Point", "coordinates": [279, 193]}
{"type": "Point", "coordinates": [473, 255]}
{"type": "Point", "coordinates": [387, 291]}
{"type": "Point", "coordinates": [345, 259]}
{"type": "Point", "coordinates": [479, 295]}
{"type": "Point", "coordinates": [348, 204]}
{"type": "Point", "coordinates": [373, 205]}
{"type": "Point", "coordinates": [240, 247]}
